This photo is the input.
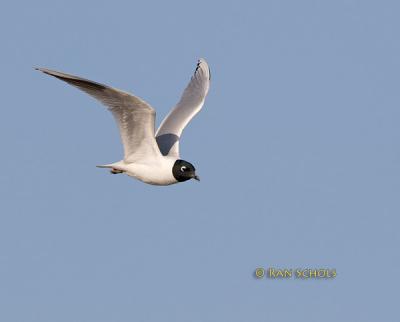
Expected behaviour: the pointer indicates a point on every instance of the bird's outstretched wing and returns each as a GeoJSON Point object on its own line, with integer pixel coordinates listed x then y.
{"type": "Point", "coordinates": [135, 118]}
{"type": "Point", "coordinates": [192, 100]}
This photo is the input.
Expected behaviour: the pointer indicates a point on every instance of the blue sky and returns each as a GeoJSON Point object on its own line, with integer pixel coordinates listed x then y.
{"type": "Point", "coordinates": [297, 148]}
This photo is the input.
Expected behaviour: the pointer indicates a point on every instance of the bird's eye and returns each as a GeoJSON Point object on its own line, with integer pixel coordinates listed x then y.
{"type": "Point", "coordinates": [183, 168]}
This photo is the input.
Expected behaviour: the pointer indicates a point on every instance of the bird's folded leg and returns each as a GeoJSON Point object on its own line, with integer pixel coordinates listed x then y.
{"type": "Point", "coordinates": [115, 171]}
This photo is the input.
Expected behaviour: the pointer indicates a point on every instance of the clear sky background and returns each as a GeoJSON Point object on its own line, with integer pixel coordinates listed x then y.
{"type": "Point", "coordinates": [297, 148]}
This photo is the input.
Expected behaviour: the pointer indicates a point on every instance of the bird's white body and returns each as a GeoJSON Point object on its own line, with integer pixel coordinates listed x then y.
{"type": "Point", "coordinates": [157, 172]}
{"type": "Point", "coordinates": [148, 156]}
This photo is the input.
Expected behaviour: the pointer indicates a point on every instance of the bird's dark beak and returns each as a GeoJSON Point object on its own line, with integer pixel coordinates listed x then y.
{"type": "Point", "coordinates": [196, 178]}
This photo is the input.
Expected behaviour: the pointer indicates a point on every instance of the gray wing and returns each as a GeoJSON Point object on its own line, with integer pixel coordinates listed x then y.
{"type": "Point", "coordinates": [191, 102]}
{"type": "Point", "coordinates": [135, 118]}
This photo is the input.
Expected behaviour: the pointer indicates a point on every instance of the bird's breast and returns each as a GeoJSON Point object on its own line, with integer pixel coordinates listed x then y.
{"type": "Point", "coordinates": [158, 172]}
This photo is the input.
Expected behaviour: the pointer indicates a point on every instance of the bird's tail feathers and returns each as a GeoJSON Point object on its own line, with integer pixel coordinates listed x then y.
{"type": "Point", "coordinates": [115, 165]}
{"type": "Point", "coordinates": [104, 166]}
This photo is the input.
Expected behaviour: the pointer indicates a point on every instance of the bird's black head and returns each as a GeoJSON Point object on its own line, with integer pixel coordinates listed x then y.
{"type": "Point", "coordinates": [183, 170]}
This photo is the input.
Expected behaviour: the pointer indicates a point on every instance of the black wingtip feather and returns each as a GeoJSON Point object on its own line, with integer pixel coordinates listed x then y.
{"type": "Point", "coordinates": [198, 66]}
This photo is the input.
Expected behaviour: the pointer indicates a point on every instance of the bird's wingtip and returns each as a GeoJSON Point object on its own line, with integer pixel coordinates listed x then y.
{"type": "Point", "coordinates": [47, 71]}
{"type": "Point", "coordinates": [40, 69]}
{"type": "Point", "coordinates": [202, 63]}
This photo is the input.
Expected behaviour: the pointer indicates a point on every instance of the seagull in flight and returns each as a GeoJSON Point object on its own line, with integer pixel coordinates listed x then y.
{"type": "Point", "coordinates": [151, 158]}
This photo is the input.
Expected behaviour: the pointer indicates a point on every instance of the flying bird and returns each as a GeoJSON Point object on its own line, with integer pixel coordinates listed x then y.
{"type": "Point", "coordinates": [151, 158]}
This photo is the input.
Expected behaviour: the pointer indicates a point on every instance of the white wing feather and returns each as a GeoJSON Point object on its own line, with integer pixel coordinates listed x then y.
{"type": "Point", "coordinates": [191, 102]}
{"type": "Point", "coordinates": [135, 117]}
